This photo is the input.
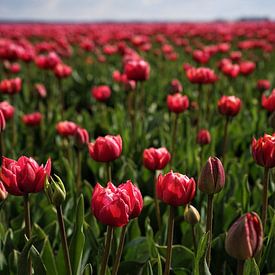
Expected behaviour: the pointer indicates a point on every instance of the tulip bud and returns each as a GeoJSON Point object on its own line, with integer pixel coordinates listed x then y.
{"type": "Point", "coordinates": [212, 177]}
{"type": "Point", "coordinates": [3, 192]}
{"type": "Point", "coordinates": [191, 215]}
{"type": "Point", "coordinates": [55, 191]}
{"type": "Point", "coordinates": [245, 237]}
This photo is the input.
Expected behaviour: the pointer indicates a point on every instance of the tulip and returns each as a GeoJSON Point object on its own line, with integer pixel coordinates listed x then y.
{"type": "Point", "coordinates": [7, 109]}
{"type": "Point", "coordinates": [263, 85]}
{"type": "Point", "coordinates": [174, 189]}
{"type": "Point", "coordinates": [3, 192]}
{"type": "Point", "coordinates": [201, 75]}
{"type": "Point", "coordinates": [201, 56]}
{"type": "Point", "coordinates": [138, 70]}
{"type": "Point", "coordinates": [66, 128]}
{"type": "Point", "coordinates": [101, 93]}
{"type": "Point", "coordinates": [62, 70]}
{"type": "Point", "coordinates": [32, 119]}
{"type": "Point", "coordinates": [263, 152]}
{"type": "Point", "coordinates": [269, 102]}
{"type": "Point", "coordinates": [177, 103]}
{"type": "Point", "coordinates": [175, 86]}
{"type": "Point", "coordinates": [41, 90]}
{"type": "Point", "coordinates": [106, 149]}
{"type": "Point", "coordinates": [211, 181]}
{"type": "Point", "coordinates": [247, 67]}
{"type": "Point", "coordinates": [11, 86]}
{"type": "Point", "coordinates": [203, 137]}
{"type": "Point", "coordinates": [244, 239]}
{"type": "Point", "coordinates": [156, 159]}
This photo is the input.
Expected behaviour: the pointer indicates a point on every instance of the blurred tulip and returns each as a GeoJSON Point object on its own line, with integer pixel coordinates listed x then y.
{"type": "Point", "coordinates": [7, 109]}
{"type": "Point", "coordinates": [137, 70]}
{"type": "Point", "coordinates": [32, 119]}
{"type": "Point", "coordinates": [263, 85]}
{"type": "Point", "coordinates": [175, 189]}
{"type": "Point", "coordinates": [177, 103]}
{"type": "Point", "coordinates": [3, 192]}
{"type": "Point", "coordinates": [62, 70]}
{"type": "Point", "coordinates": [66, 128]}
{"type": "Point", "coordinates": [156, 158]}
{"type": "Point", "coordinates": [81, 137]}
{"type": "Point", "coordinates": [24, 175]}
{"type": "Point", "coordinates": [247, 67]}
{"type": "Point", "coordinates": [269, 102]}
{"type": "Point", "coordinates": [229, 105]}
{"type": "Point", "coordinates": [101, 93]}
{"type": "Point", "coordinates": [41, 90]}
{"type": "Point", "coordinates": [175, 86]}
{"type": "Point", "coordinates": [212, 177]}
{"type": "Point", "coordinates": [201, 75]}
{"type": "Point", "coordinates": [11, 86]}
{"type": "Point", "coordinates": [203, 137]}
{"type": "Point", "coordinates": [244, 239]}
{"type": "Point", "coordinates": [106, 149]}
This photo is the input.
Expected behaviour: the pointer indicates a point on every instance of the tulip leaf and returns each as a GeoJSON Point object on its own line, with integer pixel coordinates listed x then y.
{"type": "Point", "coordinates": [87, 270]}
{"type": "Point", "coordinates": [147, 270]}
{"type": "Point", "coordinates": [251, 267]}
{"type": "Point", "coordinates": [200, 256]}
{"type": "Point", "coordinates": [37, 263]}
{"type": "Point", "coordinates": [48, 258]}
{"type": "Point", "coordinates": [78, 238]}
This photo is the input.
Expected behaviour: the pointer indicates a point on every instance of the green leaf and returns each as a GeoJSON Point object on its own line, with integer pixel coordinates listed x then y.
{"type": "Point", "coordinates": [37, 263]}
{"type": "Point", "coordinates": [78, 238]}
{"type": "Point", "coordinates": [251, 267]}
{"type": "Point", "coordinates": [147, 270]}
{"type": "Point", "coordinates": [199, 260]}
{"type": "Point", "coordinates": [159, 265]}
{"type": "Point", "coordinates": [48, 258]}
{"type": "Point", "coordinates": [87, 270]}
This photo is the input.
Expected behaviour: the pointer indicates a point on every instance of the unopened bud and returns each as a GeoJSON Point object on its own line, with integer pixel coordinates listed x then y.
{"type": "Point", "coordinates": [191, 215]}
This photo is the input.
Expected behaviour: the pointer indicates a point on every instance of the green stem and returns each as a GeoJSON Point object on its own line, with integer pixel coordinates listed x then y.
{"type": "Point", "coordinates": [265, 197]}
{"type": "Point", "coordinates": [170, 234]}
{"type": "Point", "coordinates": [28, 226]}
{"type": "Point", "coordinates": [194, 238]}
{"type": "Point", "coordinates": [209, 222]}
{"type": "Point", "coordinates": [119, 250]}
{"type": "Point", "coordinates": [64, 239]}
{"type": "Point", "coordinates": [107, 249]}
{"type": "Point", "coordinates": [156, 201]}
{"type": "Point", "coordinates": [2, 144]}
{"type": "Point", "coordinates": [225, 140]}
{"type": "Point", "coordinates": [79, 168]}
{"type": "Point", "coordinates": [108, 171]}
{"type": "Point", "coordinates": [174, 139]}
{"type": "Point", "coordinates": [199, 106]}
{"type": "Point", "coordinates": [61, 91]}
{"type": "Point", "coordinates": [240, 267]}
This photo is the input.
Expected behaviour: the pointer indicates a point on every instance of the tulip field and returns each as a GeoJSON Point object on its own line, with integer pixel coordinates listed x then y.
{"type": "Point", "coordinates": [137, 148]}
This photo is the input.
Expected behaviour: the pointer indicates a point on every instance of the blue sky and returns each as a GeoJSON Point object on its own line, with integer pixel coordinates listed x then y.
{"type": "Point", "coordinates": [124, 10]}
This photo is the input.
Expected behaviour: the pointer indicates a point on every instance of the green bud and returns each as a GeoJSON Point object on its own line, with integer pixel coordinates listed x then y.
{"type": "Point", "coordinates": [191, 215]}
{"type": "Point", "coordinates": [55, 191]}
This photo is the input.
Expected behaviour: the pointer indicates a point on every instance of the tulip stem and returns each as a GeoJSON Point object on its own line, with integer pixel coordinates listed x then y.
{"type": "Point", "coordinates": [170, 234]}
{"type": "Point", "coordinates": [240, 267]}
{"type": "Point", "coordinates": [119, 250]}
{"type": "Point", "coordinates": [157, 202]}
{"type": "Point", "coordinates": [199, 106]}
{"type": "Point", "coordinates": [61, 91]}
{"type": "Point", "coordinates": [28, 226]}
{"type": "Point", "coordinates": [194, 237]}
{"type": "Point", "coordinates": [265, 197]}
{"type": "Point", "coordinates": [2, 144]}
{"type": "Point", "coordinates": [209, 221]}
{"type": "Point", "coordinates": [108, 171]}
{"type": "Point", "coordinates": [225, 140]}
{"type": "Point", "coordinates": [174, 139]}
{"type": "Point", "coordinates": [79, 166]}
{"type": "Point", "coordinates": [107, 249]}
{"type": "Point", "coordinates": [64, 239]}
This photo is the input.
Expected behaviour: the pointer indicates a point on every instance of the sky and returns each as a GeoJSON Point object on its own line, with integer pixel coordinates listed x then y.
{"type": "Point", "coordinates": [133, 10]}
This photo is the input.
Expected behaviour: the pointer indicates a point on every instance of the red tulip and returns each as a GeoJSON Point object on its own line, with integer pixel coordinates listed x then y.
{"type": "Point", "coordinates": [62, 70]}
{"type": "Point", "coordinates": [33, 119]}
{"type": "Point", "coordinates": [231, 70]}
{"type": "Point", "coordinates": [101, 93]}
{"type": "Point", "coordinates": [41, 90]}
{"type": "Point", "coordinates": [176, 86]}
{"type": "Point", "coordinates": [137, 70]}
{"type": "Point", "coordinates": [116, 76]}
{"type": "Point", "coordinates": [2, 121]}
{"type": "Point", "coordinates": [156, 158]}
{"type": "Point", "coordinates": [244, 239]}
{"type": "Point", "coordinates": [263, 150]}
{"type": "Point", "coordinates": [201, 75]}
{"type": "Point", "coordinates": [247, 67]}
{"type": "Point", "coordinates": [66, 128]}
{"type": "Point", "coordinates": [263, 85]}
{"type": "Point", "coordinates": [3, 192]}
{"type": "Point", "coordinates": [24, 176]}
{"type": "Point", "coordinates": [203, 137]}
{"type": "Point", "coordinates": [235, 56]}
{"type": "Point", "coordinates": [115, 206]}
{"type": "Point", "coordinates": [81, 136]}
{"type": "Point", "coordinates": [175, 189]}
{"type": "Point", "coordinates": [177, 103]}
{"type": "Point", "coordinates": [106, 149]}
{"type": "Point", "coordinates": [201, 56]}
{"type": "Point", "coordinates": [229, 105]}
{"type": "Point", "coordinates": [269, 102]}
{"type": "Point", "coordinates": [7, 109]}
{"type": "Point", "coordinates": [11, 86]}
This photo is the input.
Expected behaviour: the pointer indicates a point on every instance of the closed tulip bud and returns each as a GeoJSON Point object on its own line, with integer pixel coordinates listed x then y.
{"type": "Point", "coordinates": [175, 189]}
{"type": "Point", "coordinates": [269, 102]}
{"type": "Point", "coordinates": [244, 239]}
{"type": "Point", "coordinates": [212, 177]}
{"type": "Point", "coordinates": [247, 67]}
{"type": "Point", "coordinates": [2, 122]}
{"type": "Point", "coordinates": [55, 191]}
{"type": "Point", "coordinates": [66, 128]}
{"type": "Point", "coordinates": [263, 151]}
{"type": "Point", "coordinates": [191, 215]}
{"type": "Point", "coordinates": [24, 175]}
{"type": "Point", "coordinates": [203, 137]}
{"type": "Point", "coordinates": [33, 119]}
{"type": "Point", "coordinates": [62, 70]}
{"type": "Point", "coordinates": [3, 192]}
{"type": "Point", "coordinates": [156, 158]}
{"type": "Point", "coordinates": [175, 86]}
{"type": "Point", "coordinates": [177, 103]}
{"type": "Point", "coordinates": [263, 85]}
{"type": "Point", "coordinates": [81, 137]}
{"type": "Point", "coordinates": [101, 93]}
{"type": "Point", "coordinates": [229, 105]}
{"type": "Point", "coordinates": [106, 149]}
